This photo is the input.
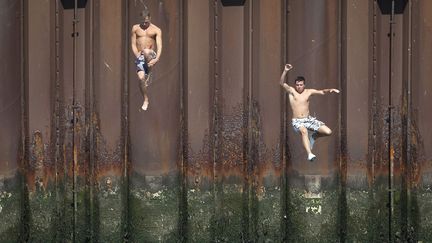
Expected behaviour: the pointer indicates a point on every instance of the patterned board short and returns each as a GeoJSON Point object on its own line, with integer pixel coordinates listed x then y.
{"type": "Point", "coordinates": [310, 123]}
{"type": "Point", "coordinates": [141, 62]}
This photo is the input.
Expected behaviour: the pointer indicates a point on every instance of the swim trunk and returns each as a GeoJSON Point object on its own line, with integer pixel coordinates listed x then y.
{"type": "Point", "coordinates": [310, 123]}
{"type": "Point", "coordinates": [141, 62]}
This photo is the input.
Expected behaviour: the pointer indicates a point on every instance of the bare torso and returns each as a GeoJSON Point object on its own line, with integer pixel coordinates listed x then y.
{"type": "Point", "coordinates": [300, 103]}
{"type": "Point", "coordinates": [146, 38]}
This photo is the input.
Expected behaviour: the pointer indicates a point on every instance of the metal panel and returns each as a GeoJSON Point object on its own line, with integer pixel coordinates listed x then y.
{"type": "Point", "coordinates": [230, 183]}
{"type": "Point", "coordinates": [420, 136]}
{"type": "Point", "coordinates": [358, 110]}
{"type": "Point", "coordinates": [105, 103]}
{"type": "Point", "coordinates": [40, 168]}
{"type": "Point", "coordinates": [266, 168]}
{"type": "Point", "coordinates": [154, 134]}
{"type": "Point", "coordinates": [200, 194]}
{"type": "Point", "coordinates": [10, 119]}
{"type": "Point", "coordinates": [312, 186]}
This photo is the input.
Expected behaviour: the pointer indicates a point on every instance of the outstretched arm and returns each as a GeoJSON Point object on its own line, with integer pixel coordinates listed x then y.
{"type": "Point", "coordinates": [282, 78]}
{"type": "Point", "coordinates": [133, 42]}
{"type": "Point", "coordinates": [324, 91]}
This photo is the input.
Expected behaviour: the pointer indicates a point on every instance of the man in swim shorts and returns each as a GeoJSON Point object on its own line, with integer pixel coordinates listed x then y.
{"type": "Point", "coordinates": [301, 120]}
{"type": "Point", "coordinates": [145, 39]}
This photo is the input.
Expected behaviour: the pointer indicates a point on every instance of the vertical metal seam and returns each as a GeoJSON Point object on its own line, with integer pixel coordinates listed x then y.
{"type": "Point", "coordinates": [284, 158]}
{"type": "Point", "coordinates": [183, 207]}
{"type": "Point", "coordinates": [372, 98]}
{"type": "Point", "coordinates": [408, 167]}
{"type": "Point", "coordinates": [125, 121]}
{"type": "Point", "coordinates": [74, 135]}
{"type": "Point", "coordinates": [215, 122]}
{"type": "Point", "coordinates": [409, 81]}
{"type": "Point", "coordinates": [374, 90]}
{"type": "Point", "coordinates": [90, 122]}
{"type": "Point", "coordinates": [57, 107]}
{"type": "Point", "coordinates": [390, 146]}
{"type": "Point", "coordinates": [342, 120]}
{"type": "Point", "coordinates": [249, 143]}
{"type": "Point", "coordinates": [213, 136]}
{"type": "Point", "coordinates": [25, 211]}
{"type": "Point", "coordinates": [252, 143]}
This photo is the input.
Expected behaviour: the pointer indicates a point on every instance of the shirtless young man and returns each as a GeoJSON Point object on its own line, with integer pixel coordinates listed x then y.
{"type": "Point", "coordinates": [145, 39]}
{"type": "Point", "coordinates": [301, 120]}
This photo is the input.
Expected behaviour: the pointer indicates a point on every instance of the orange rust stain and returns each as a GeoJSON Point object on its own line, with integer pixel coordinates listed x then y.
{"type": "Point", "coordinates": [392, 152]}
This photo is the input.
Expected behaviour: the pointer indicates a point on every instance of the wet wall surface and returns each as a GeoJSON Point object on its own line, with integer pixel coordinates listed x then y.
{"type": "Point", "coordinates": [215, 157]}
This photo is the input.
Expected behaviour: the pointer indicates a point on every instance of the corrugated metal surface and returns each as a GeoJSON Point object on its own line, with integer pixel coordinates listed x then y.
{"type": "Point", "coordinates": [215, 157]}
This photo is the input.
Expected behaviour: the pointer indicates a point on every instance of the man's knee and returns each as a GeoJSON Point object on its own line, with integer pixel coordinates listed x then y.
{"type": "Point", "coordinates": [303, 130]}
{"type": "Point", "coordinates": [148, 54]}
{"type": "Point", "coordinates": [141, 75]}
{"type": "Point", "coordinates": [325, 130]}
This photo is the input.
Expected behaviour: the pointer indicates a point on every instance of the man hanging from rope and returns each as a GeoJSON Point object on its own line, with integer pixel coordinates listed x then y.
{"type": "Point", "coordinates": [301, 120]}
{"type": "Point", "coordinates": [146, 38]}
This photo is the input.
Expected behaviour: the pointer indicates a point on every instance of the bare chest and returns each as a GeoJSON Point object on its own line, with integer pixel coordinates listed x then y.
{"type": "Point", "coordinates": [299, 98]}
{"type": "Point", "coordinates": [147, 33]}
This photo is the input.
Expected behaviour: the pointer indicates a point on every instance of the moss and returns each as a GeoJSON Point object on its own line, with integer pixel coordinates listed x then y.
{"type": "Point", "coordinates": [424, 202]}
{"type": "Point", "coordinates": [357, 225]}
{"type": "Point", "coordinates": [42, 210]}
{"type": "Point", "coordinates": [266, 214]}
{"type": "Point", "coordinates": [227, 221]}
{"type": "Point", "coordinates": [200, 209]}
{"type": "Point", "coordinates": [312, 219]}
{"type": "Point", "coordinates": [153, 215]}
{"type": "Point", "coordinates": [10, 210]}
{"type": "Point", "coordinates": [110, 212]}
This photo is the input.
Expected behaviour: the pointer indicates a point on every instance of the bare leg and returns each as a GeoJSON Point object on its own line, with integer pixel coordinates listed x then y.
{"type": "Point", "coordinates": [306, 143]}
{"type": "Point", "coordinates": [323, 131]}
{"type": "Point", "coordinates": [305, 139]}
{"type": "Point", "coordinates": [143, 89]}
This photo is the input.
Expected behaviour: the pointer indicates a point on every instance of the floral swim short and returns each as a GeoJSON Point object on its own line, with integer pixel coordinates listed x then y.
{"type": "Point", "coordinates": [310, 123]}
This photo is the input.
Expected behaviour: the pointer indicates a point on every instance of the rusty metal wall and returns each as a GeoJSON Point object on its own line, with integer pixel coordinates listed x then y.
{"type": "Point", "coordinates": [312, 48]}
{"type": "Point", "coordinates": [359, 52]}
{"type": "Point", "coordinates": [155, 150]}
{"type": "Point", "coordinates": [11, 114]}
{"type": "Point", "coordinates": [419, 140]}
{"type": "Point", "coordinates": [199, 76]}
{"type": "Point", "coordinates": [215, 157]}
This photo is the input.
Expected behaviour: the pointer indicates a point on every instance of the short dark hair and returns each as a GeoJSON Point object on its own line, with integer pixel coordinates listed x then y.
{"type": "Point", "coordinates": [145, 12]}
{"type": "Point", "coordinates": [300, 78]}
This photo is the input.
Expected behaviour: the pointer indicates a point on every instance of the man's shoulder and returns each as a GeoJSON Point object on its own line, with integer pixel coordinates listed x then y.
{"type": "Point", "coordinates": [155, 28]}
{"type": "Point", "coordinates": [135, 27]}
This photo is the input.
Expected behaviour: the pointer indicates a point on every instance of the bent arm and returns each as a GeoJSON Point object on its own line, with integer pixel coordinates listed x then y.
{"type": "Point", "coordinates": [159, 45]}
{"type": "Point", "coordinates": [282, 81]}
{"type": "Point", "coordinates": [133, 43]}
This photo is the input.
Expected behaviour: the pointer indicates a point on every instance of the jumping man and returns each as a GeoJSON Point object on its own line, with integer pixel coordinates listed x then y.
{"type": "Point", "coordinates": [301, 120]}
{"type": "Point", "coordinates": [146, 38]}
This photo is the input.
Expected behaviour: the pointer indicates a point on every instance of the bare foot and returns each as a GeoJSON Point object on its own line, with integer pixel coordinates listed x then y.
{"type": "Point", "coordinates": [145, 105]}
